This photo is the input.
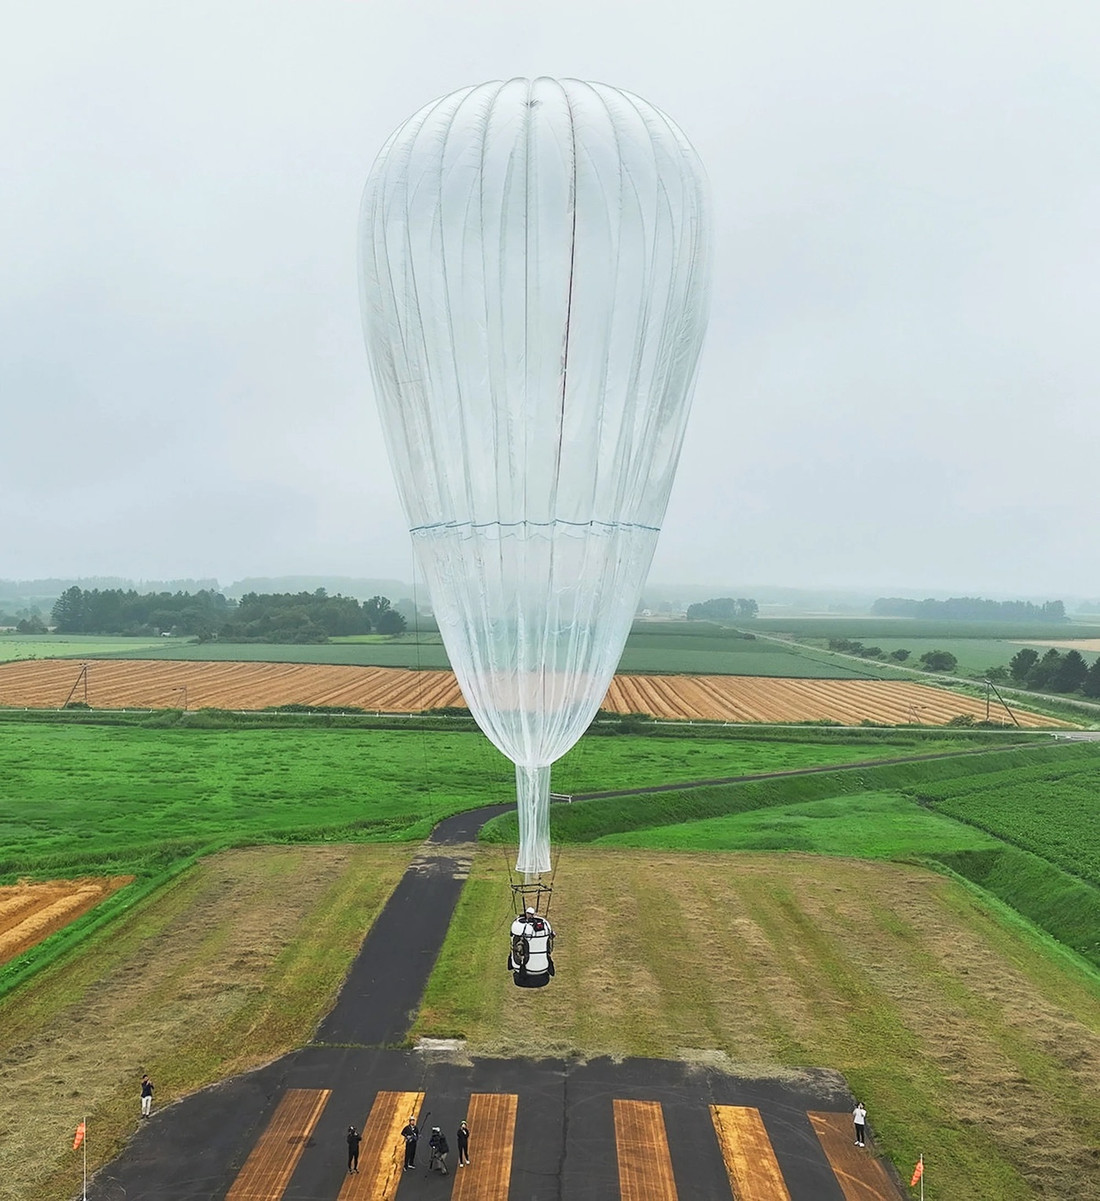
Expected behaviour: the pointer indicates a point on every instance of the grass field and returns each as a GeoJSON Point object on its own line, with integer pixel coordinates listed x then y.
{"type": "Point", "coordinates": [70, 646]}
{"type": "Point", "coordinates": [964, 1028]}
{"type": "Point", "coordinates": [872, 825]}
{"type": "Point", "coordinates": [969, 1038]}
{"type": "Point", "coordinates": [975, 655]}
{"type": "Point", "coordinates": [871, 629]}
{"type": "Point", "coordinates": [76, 799]}
{"type": "Point", "coordinates": [646, 651]}
{"type": "Point", "coordinates": [220, 972]}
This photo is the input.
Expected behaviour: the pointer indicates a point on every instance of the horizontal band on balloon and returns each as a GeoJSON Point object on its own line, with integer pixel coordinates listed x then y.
{"type": "Point", "coordinates": [534, 525]}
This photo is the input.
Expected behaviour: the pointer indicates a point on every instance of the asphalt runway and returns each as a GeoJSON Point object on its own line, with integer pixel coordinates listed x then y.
{"type": "Point", "coordinates": [561, 1130]}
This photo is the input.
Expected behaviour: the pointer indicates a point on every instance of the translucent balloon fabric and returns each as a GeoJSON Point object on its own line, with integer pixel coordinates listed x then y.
{"type": "Point", "coordinates": [534, 282]}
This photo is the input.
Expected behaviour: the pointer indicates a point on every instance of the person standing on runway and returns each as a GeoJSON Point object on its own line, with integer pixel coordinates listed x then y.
{"type": "Point", "coordinates": [463, 1139]}
{"type": "Point", "coordinates": [440, 1150]}
{"type": "Point", "coordinates": [354, 1139]}
{"type": "Point", "coordinates": [859, 1117]}
{"type": "Point", "coordinates": [410, 1134]}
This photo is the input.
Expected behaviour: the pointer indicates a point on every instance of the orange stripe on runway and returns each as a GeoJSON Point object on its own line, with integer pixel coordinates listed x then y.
{"type": "Point", "coordinates": [645, 1166]}
{"type": "Point", "coordinates": [492, 1121]}
{"type": "Point", "coordinates": [271, 1162]}
{"type": "Point", "coordinates": [382, 1151]}
{"type": "Point", "coordinates": [750, 1160]}
{"type": "Point", "coordinates": [860, 1175]}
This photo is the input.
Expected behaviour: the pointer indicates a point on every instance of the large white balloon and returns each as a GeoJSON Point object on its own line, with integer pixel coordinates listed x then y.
{"type": "Point", "coordinates": [534, 282]}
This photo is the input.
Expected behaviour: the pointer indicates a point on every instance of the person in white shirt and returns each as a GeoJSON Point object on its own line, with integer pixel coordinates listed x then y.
{"type": "Point", "coordinates": [859, 1116]}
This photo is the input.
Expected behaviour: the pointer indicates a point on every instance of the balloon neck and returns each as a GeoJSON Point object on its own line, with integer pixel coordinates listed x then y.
{"type": "Point", "coordinates": [533, 809]}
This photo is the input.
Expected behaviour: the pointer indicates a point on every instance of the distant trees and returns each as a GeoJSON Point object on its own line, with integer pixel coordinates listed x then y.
{"type": "Point", "coordinates": [724, 608]}
{"type": "Point", "coordinates": [302, 617]}
{"type": "Point", "coordinates": [969, 608]}
{"type": "Point", "coordinates": [865, 652]}
{"type": "Point", "coordinates": [119, 611]}
{"type": "Point", "coordinates": [1054, 671]}
{"type": "Point", "coordinates": [1021, 663]}
{"type": "Point", "coordinates": [941, 661]}
{"type": "Point", "coordinates": [1091, 686]}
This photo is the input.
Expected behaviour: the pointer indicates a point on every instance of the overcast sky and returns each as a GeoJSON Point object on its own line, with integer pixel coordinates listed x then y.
{"type": "Point", "coordinates": [900, 387]}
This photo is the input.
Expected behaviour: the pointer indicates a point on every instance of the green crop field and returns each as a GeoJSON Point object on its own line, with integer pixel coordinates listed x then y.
{"type": "Point", "coordinates": [975, 655]}
{"type": "Point", "coordinates": [428, 654]}
{"type": "Point", "coordinates": [1054, 813]}
{"type": "Point", "coordinates": [864, 629]}
{"type": "Point", "coordinates": [647, 653]}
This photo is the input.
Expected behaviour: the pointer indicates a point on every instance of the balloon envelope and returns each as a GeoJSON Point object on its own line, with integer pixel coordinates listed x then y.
{"type": "Point", "coordinates": [534, 265]}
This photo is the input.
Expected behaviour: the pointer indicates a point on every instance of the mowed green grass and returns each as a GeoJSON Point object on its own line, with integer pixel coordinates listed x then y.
{"type": "Point", "coordinates": [871, 825]}
{"type": "Point", "coordinates": [75, 646]}
{"type": "Point", "coordinates": [969, 1037]}
{"type": "Point", "coordinates": [81, 797]}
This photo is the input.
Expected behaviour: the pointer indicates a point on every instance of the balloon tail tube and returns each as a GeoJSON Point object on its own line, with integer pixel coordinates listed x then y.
{"type": "Point", "coordinates": [533, 807]}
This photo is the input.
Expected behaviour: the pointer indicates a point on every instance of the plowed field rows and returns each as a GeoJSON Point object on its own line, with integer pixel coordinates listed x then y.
{"type": "Point", "coordinates": [161, 684]}
{"type": "Point", "coordinates": [30, 912]}
{"type": "Point", "coordinates": [755, 698]}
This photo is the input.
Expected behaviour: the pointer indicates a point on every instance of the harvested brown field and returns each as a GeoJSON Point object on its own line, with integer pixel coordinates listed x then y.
{"type": "Point", "coordinates": [29, 912]}
{"type": "Point", "coordinates": [763, 699]}
{"type": "Point", "coordinates": [1069, 644]}
{"type": "Point", "coordinates": [159, 684]}
{"type": "Point", "coordinates": [163, 684]}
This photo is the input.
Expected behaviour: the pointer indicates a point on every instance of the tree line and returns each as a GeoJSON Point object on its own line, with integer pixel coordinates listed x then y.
{"type": "Point", "coordinates": [941, 661]}
{"type": "Point", "coordinates": [969, 608]}
{"type": "Point", "coordinates": [1055, 671]}
{"type": "Point", "coordinates": [723, 608]}
{"type": "Point", "coordinates": [304, 617]}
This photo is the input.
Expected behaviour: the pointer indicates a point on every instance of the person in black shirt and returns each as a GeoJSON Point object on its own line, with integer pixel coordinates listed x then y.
{"type": "Point", "coordinates": [354, 1139]}
{"type": "Point", "coordinates": [440, 1149]}
{"type": "Point", "coordinates": [410, 1134]}
{"type": "Point", "coordinates": [463, 1144]}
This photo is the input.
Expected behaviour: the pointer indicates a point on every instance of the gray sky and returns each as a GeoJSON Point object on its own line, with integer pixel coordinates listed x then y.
{"type": "Point", "coordinates": [901, 380]}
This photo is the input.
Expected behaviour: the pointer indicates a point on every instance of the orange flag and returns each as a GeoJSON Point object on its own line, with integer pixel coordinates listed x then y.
{"type": "Point", "coordinates": [918, 1172]}
{"type": "Point", "coordinates": [79, 1136]}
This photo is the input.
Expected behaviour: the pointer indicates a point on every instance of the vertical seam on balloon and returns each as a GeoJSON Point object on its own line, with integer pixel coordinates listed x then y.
{"type": "Point", "coordinates": [573, 204]}
{"type": "Point", "coordinates": [581, 617]}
